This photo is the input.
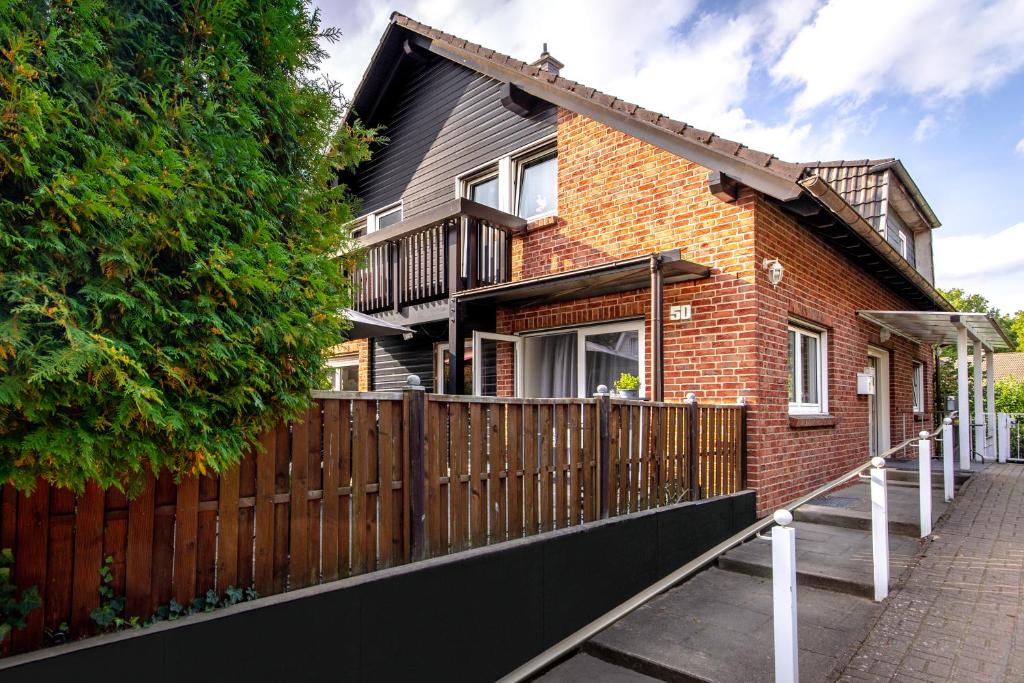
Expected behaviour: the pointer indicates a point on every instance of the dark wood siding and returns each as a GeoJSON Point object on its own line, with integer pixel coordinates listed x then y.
{"type": "Point", "coordinates": [394, 359]}
{"type": "Point", "coordinates": [441, 120]}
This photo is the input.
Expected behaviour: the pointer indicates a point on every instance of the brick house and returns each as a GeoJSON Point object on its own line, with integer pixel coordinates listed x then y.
{"type": "Point", "coordinates": [539, 238]}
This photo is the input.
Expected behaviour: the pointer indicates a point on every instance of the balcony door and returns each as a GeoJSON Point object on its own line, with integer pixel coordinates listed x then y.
{"type": "Point", "coordinates": [498, 364]}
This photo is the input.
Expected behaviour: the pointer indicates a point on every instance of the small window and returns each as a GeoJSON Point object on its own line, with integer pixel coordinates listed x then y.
{"type": "Point", "coordinates": [485, 191]}
{"type": "Point", "coordinates": [917, 383]}
{"type": "Point", "coordinates": [344, 372]}
{"type": "Point", "coordinates": [379, 220]}
{"type": "Point", "coordinates": [903, 242]}
{"type": "Point", "coordinates": [807, 370]}
{"type": "Point", "coordinates": [537, 183]}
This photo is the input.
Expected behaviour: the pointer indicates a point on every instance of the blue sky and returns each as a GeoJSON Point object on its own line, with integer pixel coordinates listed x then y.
{"type": "Point", "coordinates": [938, 84]}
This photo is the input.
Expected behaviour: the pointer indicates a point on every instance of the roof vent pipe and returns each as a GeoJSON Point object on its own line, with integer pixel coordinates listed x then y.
{"type": "Point", "coordinates": [547, 62]}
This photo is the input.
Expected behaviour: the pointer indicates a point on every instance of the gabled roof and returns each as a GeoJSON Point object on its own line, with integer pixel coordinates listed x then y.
{"type": "Point", "coordinates": [863, 183]}
{"type": "Point", "coordinates": [759, 170]}
{"type": "Point", "coordinates": [786, 182]}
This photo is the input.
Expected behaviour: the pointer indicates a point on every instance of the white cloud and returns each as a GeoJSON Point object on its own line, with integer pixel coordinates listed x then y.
{"type": "Point", "coordinates": [857, 48]}
{"type": "Point", "coordinates": [1020, 147]}
{"type": "Point", "coordinates": [926, 128]}
{"type": "Point", "coordinates": [991, 265]}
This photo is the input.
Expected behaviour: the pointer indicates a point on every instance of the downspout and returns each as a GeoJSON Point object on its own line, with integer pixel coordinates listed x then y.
{"type": "Point", "coordinates": [657, 331]}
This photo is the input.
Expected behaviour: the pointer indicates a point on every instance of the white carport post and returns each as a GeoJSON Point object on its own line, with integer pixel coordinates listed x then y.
{"type": "Point", "coordinates": [979, 399]}
{"type": "Point", "coordinates": [990, 400]}
{"type": "Point", "coordinates": [963, 402]}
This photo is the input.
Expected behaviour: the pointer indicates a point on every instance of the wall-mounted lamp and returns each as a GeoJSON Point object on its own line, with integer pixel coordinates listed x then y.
{"type": "Point", "coordinates": [774, 269]}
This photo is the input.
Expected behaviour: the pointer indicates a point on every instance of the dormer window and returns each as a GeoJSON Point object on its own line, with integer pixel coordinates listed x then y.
{"type": "Point", "coordinates": [902, 241]}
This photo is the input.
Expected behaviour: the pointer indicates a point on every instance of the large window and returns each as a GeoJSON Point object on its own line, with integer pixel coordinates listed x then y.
{"type": "Point", "coordinates": [917, 384]}
{"type": "Point", "coordinates": [570, 363]}
{"type": "Point", "coordinates": [807, 370]}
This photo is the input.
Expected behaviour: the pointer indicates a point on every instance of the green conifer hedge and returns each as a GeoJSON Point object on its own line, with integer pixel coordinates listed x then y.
{"type": "Point", "coordinates": [168, 231]}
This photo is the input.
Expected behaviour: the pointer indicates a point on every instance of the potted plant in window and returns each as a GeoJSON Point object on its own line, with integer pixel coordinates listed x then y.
{"type": "Point", "coordinates": [627, 385]}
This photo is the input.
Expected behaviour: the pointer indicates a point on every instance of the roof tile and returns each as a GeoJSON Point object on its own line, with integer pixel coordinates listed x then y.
{"type": "Point", "coordinates": [786, 170]}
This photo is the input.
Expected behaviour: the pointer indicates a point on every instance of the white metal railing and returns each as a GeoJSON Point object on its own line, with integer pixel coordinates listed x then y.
{"type": "Point", "coordinates": [1010, 437]}
{"type": "Point", "coordinates": [783, 539]}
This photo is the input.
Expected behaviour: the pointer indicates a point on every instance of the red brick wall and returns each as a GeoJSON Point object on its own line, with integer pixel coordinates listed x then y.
{"type": "Point", "coordinates": [620, 197]}
{"type": "Point", "coordinates": [822, 287]}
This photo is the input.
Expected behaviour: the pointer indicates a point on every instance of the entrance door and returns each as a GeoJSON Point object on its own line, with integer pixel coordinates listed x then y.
{"type": "Point", "coordinates": [497, 364]}
{"type": "Point", "coordinates": [878, 403]}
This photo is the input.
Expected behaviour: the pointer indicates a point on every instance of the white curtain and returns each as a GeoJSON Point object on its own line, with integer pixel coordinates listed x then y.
{"type": "Point", "coordinates": [558, 365]}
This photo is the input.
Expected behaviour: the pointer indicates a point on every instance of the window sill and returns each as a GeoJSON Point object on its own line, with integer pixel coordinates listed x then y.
{"type": "Point", "coordinates": [541, 223]}
{"type": "Point", "coordinates": [812, 421]}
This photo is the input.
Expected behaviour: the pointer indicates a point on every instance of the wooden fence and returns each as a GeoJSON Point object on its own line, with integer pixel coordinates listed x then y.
{"type": "Point", "coordinates": [328, 496]}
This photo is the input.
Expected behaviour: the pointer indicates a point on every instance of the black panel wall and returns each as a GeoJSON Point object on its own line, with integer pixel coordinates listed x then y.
{"type": "Point", "coordinates": [441, 120]}
{"type": "Point", "coordinates": [395, 358]}
{"type": "Point", "coordinates": [473, 616]}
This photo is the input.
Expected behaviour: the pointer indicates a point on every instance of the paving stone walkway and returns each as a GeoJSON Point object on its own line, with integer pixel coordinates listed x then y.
{"type": "Point", "coordinates": [960, 614]}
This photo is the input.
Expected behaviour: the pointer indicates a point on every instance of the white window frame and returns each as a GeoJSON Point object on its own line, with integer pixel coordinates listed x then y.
{"type": "Point", "coordinates": [478, 369]}
{"type": "Point", "coordinates": [635, 325]}
{"type": "Point", "coordinates": [798, 407]}
{"type": "Point", "coordinates": [917, 387]}
{"type": "Point", "coordinates": [903, 239]}
{"type": "Point", "coordinates": [519, 165]}
{"type": "Point", "coordinates": [339, 362]}
{"type": "Point", "coordinates": [507, 169]}
{"type": "Point", "coordinates": [373, 218]}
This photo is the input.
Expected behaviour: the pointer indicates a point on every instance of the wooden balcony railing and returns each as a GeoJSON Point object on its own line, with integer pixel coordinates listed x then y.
{"type": "Point", "coordinates": [460, 245]}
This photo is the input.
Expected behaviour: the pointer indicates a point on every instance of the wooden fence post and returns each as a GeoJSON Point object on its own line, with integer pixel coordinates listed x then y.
{"type": "Point", "coordinates": [693, 452]}
{"type": "Point", "coordinates": [414, 406]}
{"type": "Point", "coordinates": [604, 462]}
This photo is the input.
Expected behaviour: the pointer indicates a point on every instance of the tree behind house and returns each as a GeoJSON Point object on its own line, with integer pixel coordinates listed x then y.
{"type": "Point", "coordinates": [167, 228]}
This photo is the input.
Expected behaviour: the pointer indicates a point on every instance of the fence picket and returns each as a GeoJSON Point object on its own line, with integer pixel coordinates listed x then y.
{"type": "Point", "coordinates": [530, 522]}
{"type": "Point", "coordinates": [330, 507]}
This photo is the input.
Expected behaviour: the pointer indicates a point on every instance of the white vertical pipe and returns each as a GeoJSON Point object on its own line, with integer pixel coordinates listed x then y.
{"type": "Point", "coordinates": [947, 459]}
{"type": "Point", "coordinates": [924, 468]}
{"type": "Point", "coordinates": [879, 529]}
{"type": "Point", "coordinates": [979, 399]}
{"type": "Point", "coordinates": [787, 666]}
{"type": "Point", "coordinates": [990, 401]}
{"type": "Point", "coordinates": [962, 399]}
{"type": "Point", "coordinates": [1003, 436]}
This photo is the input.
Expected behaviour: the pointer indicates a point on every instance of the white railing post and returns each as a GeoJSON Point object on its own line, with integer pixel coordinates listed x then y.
{"type": "Point", "coordinates": [947, 459]}
{"type": "Point", "coordinates": [924, 463]}
{"type": "Point", "coordinates": [1003, 437]}
{"type": "Point", "coordinates": [787, 668]}
{"type": "Point", "coordinates": [879, 528]}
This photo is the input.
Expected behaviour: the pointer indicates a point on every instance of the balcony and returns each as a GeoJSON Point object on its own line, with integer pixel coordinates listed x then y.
{"type": "Point", "coordinates": [425, 258]}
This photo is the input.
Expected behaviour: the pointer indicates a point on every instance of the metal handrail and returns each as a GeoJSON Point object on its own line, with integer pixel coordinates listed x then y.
{"type": "Point", "coordinates": [557, 651]}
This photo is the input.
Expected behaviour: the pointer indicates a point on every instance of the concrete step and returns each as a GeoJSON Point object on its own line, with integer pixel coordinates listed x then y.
{"type": "Point", "coordinates": [717, 627]}
{"type": "Point", "coordinates": [901, 474]}
{"type": "Point", "coordinates": [850, 508]}
{"type": "Point", "coordinates": [828, 557]}
{"type": "Point", "coordinates": [584, 668]}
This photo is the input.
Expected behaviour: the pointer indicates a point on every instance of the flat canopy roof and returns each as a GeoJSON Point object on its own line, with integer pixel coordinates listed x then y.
{"type": "Point", "coordinates": [606, 278]}
{"type": "Point", "coordinates": [940, 327]}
